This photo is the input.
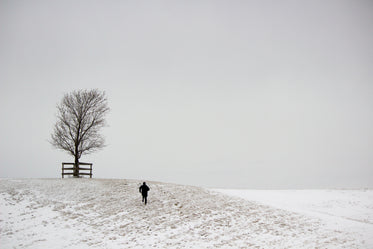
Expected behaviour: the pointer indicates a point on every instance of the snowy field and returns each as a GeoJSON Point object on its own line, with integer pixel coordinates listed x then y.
{"type": "Point", "coordinates": [95, 213]}
{"type": "Point", "coordinates": [340, 210]}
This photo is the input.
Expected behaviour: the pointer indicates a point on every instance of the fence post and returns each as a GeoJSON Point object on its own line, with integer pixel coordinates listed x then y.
{"type": "Point", "coordinates": [82, 171]}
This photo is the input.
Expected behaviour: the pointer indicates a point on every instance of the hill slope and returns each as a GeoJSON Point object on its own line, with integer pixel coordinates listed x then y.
{"type": "Point", "coordinates": [93, 213]}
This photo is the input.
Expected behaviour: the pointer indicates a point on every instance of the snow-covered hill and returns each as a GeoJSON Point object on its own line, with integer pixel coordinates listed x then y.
{"type": "Point", "coordinates": [94, 213]}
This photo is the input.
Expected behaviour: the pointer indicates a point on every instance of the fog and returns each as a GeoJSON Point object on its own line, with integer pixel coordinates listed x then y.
{"type": "Point", "coordinates": [228, 94]}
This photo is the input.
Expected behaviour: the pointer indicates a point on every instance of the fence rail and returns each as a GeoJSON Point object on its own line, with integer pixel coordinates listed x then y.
{"type": "Point", "coordinates": [79, 173]}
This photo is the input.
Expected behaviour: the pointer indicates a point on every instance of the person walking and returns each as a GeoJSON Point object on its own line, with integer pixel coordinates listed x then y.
{"type": "Point", "coordinates": [144, 192]}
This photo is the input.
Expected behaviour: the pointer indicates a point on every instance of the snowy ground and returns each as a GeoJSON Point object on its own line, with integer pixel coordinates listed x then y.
{"type": "Point", "coordinates": [93, 213]}
{"type": "Point", "coordinates": [341, 210]}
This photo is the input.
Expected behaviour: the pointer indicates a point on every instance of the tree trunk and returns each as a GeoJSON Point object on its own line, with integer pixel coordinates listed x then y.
{"type": "Point", "coordinates": [76, 167]}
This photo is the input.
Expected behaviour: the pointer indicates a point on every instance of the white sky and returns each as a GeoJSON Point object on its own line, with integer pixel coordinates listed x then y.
{"type": "Point", "coordinates": [244, 94]}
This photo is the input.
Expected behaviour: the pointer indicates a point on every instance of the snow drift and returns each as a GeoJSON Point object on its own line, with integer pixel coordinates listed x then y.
{"type": "Point", "coordinates": [94, 213]}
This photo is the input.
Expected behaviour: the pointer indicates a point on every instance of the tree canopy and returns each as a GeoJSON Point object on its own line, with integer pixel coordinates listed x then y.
{"type": "Point", "coordinates": [81, 115]}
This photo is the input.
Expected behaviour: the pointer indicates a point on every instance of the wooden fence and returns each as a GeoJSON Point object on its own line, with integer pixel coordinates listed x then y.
{"type": "Point", "coordinates": [71, 169]}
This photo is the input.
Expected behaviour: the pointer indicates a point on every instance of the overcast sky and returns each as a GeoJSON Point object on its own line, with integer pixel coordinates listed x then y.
{"type": "Point", "coordinates": [234, 94]}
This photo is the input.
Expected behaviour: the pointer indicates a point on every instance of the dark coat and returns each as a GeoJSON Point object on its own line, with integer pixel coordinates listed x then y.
{"type": "Point", "coordinates": [144, 190]}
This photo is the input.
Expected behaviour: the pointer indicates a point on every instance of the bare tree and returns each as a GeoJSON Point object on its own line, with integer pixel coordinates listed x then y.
{"type": "Point", "coordinates": [80, 117]}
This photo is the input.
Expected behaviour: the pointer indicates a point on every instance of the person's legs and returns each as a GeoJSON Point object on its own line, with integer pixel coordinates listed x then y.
{"type": "Point", "coordinates": [146, 199]}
